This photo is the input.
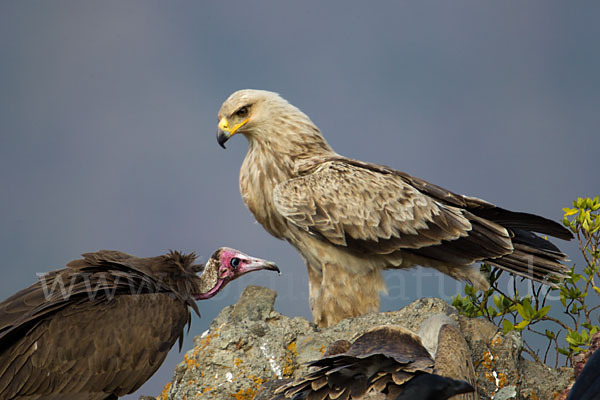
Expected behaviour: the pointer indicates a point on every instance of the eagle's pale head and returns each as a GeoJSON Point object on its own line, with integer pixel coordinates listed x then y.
{"type": "Point", "coordinates": [266, 117]}
{"type": "Point", "coordinates": [249, 112]}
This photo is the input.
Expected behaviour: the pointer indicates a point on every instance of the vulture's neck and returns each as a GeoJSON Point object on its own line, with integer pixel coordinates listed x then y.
{"type": "Point", "coordinates": [208, 281]}
{"type": "Point", "coordinates": [273, 157]}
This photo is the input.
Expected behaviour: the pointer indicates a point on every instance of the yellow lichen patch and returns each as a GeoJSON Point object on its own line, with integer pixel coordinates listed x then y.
{"type": "Point", "coordinates": [250, 393]}
{"type": "Point", "coordinates": [290, 355]}
{"type": "Point", "coordinates": [288, 370]}
{"type": "Point", "coordinates": [530, 395]}
{"type": "Point", "coordinates": [164, 395]}
{"type": "Point", "coordinates": [323, 349]}
{"type": "Point", "coordinates": [205, 341]}
{"type": "Point", "coordinates": [237, 361]}
{"type": "Point", "coordinates": [306, 340]}
{"type": "Point", "coordinates": [247, 394]}
{"type": "Point", "coordinates": [258, 381]}
{"type": "Point", "coordinates": [293, 348]}
{"type": "Point", "coordinates": [488, 360]}
{"type": "Point", "coordinates": [502, 380]}
{"type": "Point", "coordinates": [191, 362]}
{"type": "Point", "coordinates": [496, 340]}
{"type": "Point", "coordinates": [208, 389]}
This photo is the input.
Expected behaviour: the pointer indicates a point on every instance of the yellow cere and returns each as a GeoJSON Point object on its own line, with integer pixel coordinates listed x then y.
{"type": "Point", "coordinates": [224, 126]}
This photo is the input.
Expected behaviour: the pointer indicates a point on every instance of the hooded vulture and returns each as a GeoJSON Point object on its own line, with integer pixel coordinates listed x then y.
{"type": "Point", "coordinates": [101, 327]}
{"type": "Point", "coordinates": [386, 362]}
{"type": "Point", "coordinates": [351, 219]}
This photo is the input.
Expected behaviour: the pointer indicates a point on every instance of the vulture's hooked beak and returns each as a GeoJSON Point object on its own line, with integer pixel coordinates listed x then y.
{"type": "Point", "coordinates": [258, 264]}
{"type": "Point", "coordinates": [224, 132]}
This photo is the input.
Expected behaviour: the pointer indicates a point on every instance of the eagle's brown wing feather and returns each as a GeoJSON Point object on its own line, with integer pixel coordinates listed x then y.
{"type": "Point", "coordinates": [371, 211]}
{"type": "Point", "coordinates": [375, 210]}
{"type": "Point", "coordinates": [341, 201]}
{"type": "Point", "coordinates": [477, 206]}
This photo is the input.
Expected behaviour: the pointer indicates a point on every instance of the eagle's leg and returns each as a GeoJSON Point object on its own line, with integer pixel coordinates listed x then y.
{"type": "Point", "coordinates": [336, 293]}
{"type": "Point", "coordinates": [315, 278]}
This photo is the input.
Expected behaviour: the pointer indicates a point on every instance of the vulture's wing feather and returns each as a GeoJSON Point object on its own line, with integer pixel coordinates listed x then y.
{"type": "Point", "coordinates": [124, 358]}
{"type": "Point", "coordinates": [94, 277]}
{"type": "Point", "coordinates": [433, 387]}
{"type": "Point", "coordinates": [380, 359]}
{"type": "Point", "coordinates": [390, 341]}
{"type": "Point", "coordinates": [373, 211]}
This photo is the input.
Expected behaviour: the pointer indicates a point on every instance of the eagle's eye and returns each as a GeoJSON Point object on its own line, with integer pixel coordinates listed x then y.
{"type": "Point", "coordinates": [235, 262]}
{"type": "Point", "coordinates": [242, 112]}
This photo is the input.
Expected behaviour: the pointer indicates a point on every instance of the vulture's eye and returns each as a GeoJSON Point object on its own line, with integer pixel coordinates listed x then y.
{"type": "Point", "coordinates": [235, 262]}
{"type": "Point", "coordinates": [242, 112]}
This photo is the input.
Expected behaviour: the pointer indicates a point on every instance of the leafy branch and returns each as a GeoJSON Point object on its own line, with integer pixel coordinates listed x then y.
{"type": "Point", "coordinates": [530, 314]}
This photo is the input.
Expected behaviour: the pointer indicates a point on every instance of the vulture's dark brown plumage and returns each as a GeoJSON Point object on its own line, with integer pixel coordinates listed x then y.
{"type": "Point", "coordinates": [101, 327]}
{"type": "Point", "coordinates": [386, 362]}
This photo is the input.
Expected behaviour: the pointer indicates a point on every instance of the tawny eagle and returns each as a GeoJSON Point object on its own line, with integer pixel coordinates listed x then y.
{"type": "Point", "coordinates": [100, 328]}
{"type": "Point", "coordinates": [351, 219]}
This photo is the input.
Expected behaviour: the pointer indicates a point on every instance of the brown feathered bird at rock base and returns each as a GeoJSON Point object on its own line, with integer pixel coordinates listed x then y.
{"type": "Point", "coordinates": [384, 363]}
{"type": "Point", "coordinates": [351, 219]}
{"type": "Point", "coordinates": [101, 327]}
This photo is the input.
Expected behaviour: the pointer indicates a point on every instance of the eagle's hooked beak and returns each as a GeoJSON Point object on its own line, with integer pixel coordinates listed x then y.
{"type": "Point", "coordinates": [224, 132]}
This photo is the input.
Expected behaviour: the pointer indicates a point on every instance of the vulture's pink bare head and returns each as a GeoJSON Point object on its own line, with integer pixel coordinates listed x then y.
{"type": "Point", "coordinates": [225, 265]}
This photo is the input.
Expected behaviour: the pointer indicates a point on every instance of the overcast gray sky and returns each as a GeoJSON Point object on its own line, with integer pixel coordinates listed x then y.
{"type": "Point", "coordinates": [108, 119]}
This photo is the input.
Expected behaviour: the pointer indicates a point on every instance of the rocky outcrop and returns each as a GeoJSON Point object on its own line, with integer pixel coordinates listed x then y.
{"type": "Point", "coordinates": [250, 348]}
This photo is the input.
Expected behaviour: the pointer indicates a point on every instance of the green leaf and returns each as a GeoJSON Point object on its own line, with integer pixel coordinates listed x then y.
{"type": "Point", "coordinates": [497, 302]}
{"type": "Point", "coordinates": [571, 340]}
{"type": "Point", "coordinates": [521, 325]}
{"type": "Point", "coordinates": [521, 311]}
{"type": "Point", "coordinates": [570, 211]}
{"type": "Point", "coordinates": [528, 308]}
{"type": "Point", "coordinates": [586, 225]}
{"type": "Point", "coordinates": [507, 326]}
{"type": "Point", "coordinates": [564, 352]}
{"type": "Point", "coordinates": [542, 311]}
